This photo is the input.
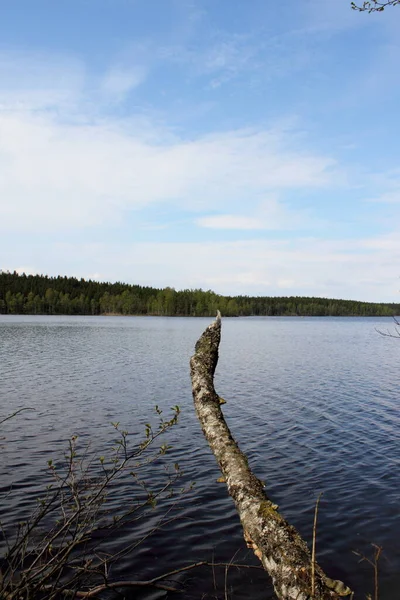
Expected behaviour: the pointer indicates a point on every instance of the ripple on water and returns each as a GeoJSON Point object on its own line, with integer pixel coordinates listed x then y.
{"type": "Point", "coordinates": [313, 403]}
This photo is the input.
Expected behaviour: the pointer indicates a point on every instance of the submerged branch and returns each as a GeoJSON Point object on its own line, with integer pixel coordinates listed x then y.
{"type": "Point", "coordinates": [156, 582]}
{"type": "Point", "coordinates": [15, 413]}
{"type": "Point", "coordinates": [281, 550]}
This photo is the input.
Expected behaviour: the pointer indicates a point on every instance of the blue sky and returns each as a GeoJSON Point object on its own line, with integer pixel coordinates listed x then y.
{"type": "Point", "coordinates": [247, 147]}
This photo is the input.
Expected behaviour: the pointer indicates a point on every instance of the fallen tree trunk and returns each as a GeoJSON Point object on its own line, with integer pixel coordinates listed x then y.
{"type": "Point", "coordinates": [283, 553]}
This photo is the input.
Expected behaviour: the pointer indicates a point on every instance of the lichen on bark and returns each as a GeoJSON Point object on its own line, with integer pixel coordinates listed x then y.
{"type": "Point", "coordinates": [282, 551]}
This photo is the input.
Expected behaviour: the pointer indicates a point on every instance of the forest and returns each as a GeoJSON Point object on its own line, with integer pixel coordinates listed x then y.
{"type": "Point", "coordinates": [44, 295]}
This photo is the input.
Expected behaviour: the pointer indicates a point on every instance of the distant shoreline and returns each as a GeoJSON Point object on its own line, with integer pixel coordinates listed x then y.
{"type": "Point", "coordinates": [43, 295]}
{"type": "Point", "coordinates": [203, 316]}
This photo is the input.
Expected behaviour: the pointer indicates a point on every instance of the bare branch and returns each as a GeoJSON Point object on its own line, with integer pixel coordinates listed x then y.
{"type": "Point", "coordinates": [374, 564]}
{"type": "Point", "coordinates": [156, 581]}
{"type": "Point", "coordinates": [314, 542]}
{"type": "Point", "coordinates": [374, 6]}
{"type": "Point", "coordinates": [14, 414]}
{"type": "Point", "coordinates": [397, 327]}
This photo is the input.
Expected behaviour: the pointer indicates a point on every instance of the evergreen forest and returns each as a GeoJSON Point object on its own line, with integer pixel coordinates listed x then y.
{"type": "Point", "coordinates": [43, 295]}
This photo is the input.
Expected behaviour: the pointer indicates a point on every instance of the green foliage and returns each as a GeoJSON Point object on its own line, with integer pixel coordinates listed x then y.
{"type": "Point", "coordinates": [39, 294]}
{"type": "Point", "coordinates": [57, 552]}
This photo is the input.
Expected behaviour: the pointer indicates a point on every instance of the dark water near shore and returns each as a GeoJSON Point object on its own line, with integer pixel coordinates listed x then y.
{"type": "Point", "coordinates": [314, 402]}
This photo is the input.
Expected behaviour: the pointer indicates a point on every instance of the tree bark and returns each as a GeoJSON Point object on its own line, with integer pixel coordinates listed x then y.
{"type": "Point", "coordinates": [283, 553]}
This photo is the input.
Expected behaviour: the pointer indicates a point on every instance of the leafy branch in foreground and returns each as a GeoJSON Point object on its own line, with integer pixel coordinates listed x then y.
{"type": "Point", "coordinates": [374, 6]}
{"type": "Point", "coordinates": [56, 552]}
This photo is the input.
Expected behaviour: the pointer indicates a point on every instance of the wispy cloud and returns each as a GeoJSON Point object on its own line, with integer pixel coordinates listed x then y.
{"type": "Point", "coordinates": [228, 58]}
{"type": "Point", "coordinates": [62, 83]}
{"type": "Point", "coordinates": [269, 215]}
{"type": "Point", "coordinates": [220, 127]}
{"type": "Point", "coordinates": [231, 222]}
{"type": "Point", "coordinates": [38, 81]}
{"type": "Point", "coordinates": [90, 169]}
{"type": "Point", "coordinates": [340, 268]}
{"type": "Point", "coordinates": [119, 81]}
{"type": "Point", "coordinates": [391, 197]}
{"type": "Point", "coordinates": [221, 59]}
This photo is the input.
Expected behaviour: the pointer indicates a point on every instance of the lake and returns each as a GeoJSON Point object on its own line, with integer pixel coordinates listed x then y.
{"type": "Point", "coordinates": [313, 402]}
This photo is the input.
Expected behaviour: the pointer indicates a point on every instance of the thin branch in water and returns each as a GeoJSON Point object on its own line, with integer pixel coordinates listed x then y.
{"type": "Point", "coordinates": [374, 564]}
{"type": "Point", "coordinates": [226, 575]}
{"type": "Point", "coordinates": [314, 540]}
{"type": "Point", "coordinates": [17, 412]}
{"type": "Point", "coordinates": [397, 327]}
{"type": "Point", "coordinates": [155, 581]}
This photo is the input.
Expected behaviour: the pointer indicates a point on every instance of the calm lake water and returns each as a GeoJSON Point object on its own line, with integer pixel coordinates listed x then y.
{"type": "Point", "coordinates": [314, 402]}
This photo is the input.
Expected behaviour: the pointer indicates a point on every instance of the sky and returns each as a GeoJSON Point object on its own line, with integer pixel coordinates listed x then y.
{"type": "Point", "coordinates": [248, 147]}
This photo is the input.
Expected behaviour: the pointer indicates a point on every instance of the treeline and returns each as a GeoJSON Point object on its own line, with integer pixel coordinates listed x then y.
{"type": "Point", "coordinates": [43, 295]}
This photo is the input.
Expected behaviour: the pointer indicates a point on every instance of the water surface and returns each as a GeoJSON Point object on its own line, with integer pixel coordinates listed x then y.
{"type": "Point", "coordinates": [312, 401]}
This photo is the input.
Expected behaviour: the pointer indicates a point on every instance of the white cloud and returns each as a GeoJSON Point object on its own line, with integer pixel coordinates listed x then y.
{"type": "Point", "coordinates": [389, 242]}
{"type": "Point", "coordinates": [60, 175]}
{"type": "Point", "coordinates": [119, 81]}
{"type": "Point", "coordinates": [227, 58]}
{"type": "Point", "coordinates": [67, 164]}
{"type": "Point", "coordinates": [270, 214]}
{"type": "Point", "coordinates": [84, 170]}
{"type": "Point", "coordinates": [35, 81]}
{"type": "Point", "coordinates": [231, 222]}
{"type": "Point", "coordinates": [256, 58]}
{"type": "Point", "coordinates": [392, 197]}
{"type": "Point", "coordinates": [38, 81]}
{"type": "Point", "coordinates": [339, 268]}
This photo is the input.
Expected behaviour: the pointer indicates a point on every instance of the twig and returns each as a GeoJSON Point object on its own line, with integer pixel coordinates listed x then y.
{"type": "Point", "coordinates": [314, 539]}
{"type": "Point", "coordinates": [213, 572]}
{"type": "Point", "coordinates": [17, 412]}
{"type": "Point", "coordinates": [226, 575]}
{"type": "Point", "coordinates": [373, 5]}
{"type": "Point", "coordinates": [74, 503]}
{"type": "Point", "coordinates": [374, 565]}
{"type": "Point", "coordinates": [397, 327]}
{"type": "Point", "coordinates": [155, 582]}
